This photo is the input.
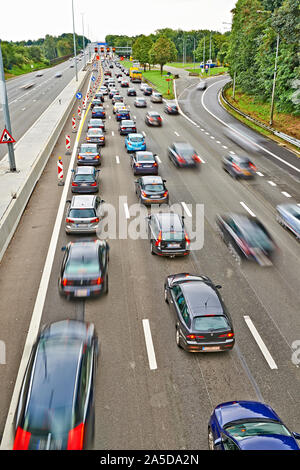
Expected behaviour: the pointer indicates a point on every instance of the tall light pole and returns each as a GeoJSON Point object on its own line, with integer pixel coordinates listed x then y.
{"type": "Point", "coordinates": [83, 41]}
{"type": "Point", "coordinates": [209, 54]}
{"type": "Point", "coordinates": [74, 41]}
{"type": "Point", "coordinates": [4, 102]}
{"type": "Point", "coordinates": [203, 57]}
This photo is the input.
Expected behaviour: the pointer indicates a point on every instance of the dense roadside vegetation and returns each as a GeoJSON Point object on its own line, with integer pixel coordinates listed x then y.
{"type": "Point", "coordinates": [26, 56]}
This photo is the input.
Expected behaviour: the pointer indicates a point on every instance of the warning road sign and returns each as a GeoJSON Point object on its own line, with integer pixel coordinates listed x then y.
{"type": "Point", "coordinates": [6, 138]}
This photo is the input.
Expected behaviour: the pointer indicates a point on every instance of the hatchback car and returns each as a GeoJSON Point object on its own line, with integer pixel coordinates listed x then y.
{"type": "Point", "coordinates": [140, 102]}
{"type": "Point", "coordinates": [152, 118]}
{"type": "Point", "coordinates": [246, 238]}
{"type": "Point", "coordinates": [167, 235]}
{"type": "Point", "coordinates": [96, 124]}
{"type": "Point", "coordinates": [238, 166]}
{"type": "Point", "coordinates": [135, 142]}
{"type": "Point", "coordinates": [183, 155]}
{"type": "Point", "coordinates": [118, 105]}
{"type": "Point", "coordinates": [96, 135]}
{"type": "Point", "coordinates": [201, 85]}
{"type": "Point", "coordinates": [131, 92]}
{"type": "Point", "coordinates": [249, 425]}
{"type": "Point", "coordinates": [98, 112]}
{"type": "Point", "coordinates": [171, 108]}
{"type": "Point", "coordinates": [288, 215]}
{"type": "Point", "coordinates": [124, 84]}
{"type": "Point", "coordinates": [96, 102]}
{"type": "Point", "coordinates": [122, 114]}
{"type": "Point", "coordinates": [85, 180]}
{"type": "Point", "coordinates": [88, 154]}
{"type": "Point", "coordinates": [112, 92]}
{"type": "Point", "coordinates": [202, 322]}
{"type": "Point", "coordinates": [151, 190]}
{"type": "Point", "coordinates": [99, 96]}
{"type": "Point", "coordinates": [117, 99]}
{"type": "Point", "coordinates": [127, 126]}
{"type": "Point", "coordinates": [56, 403]}
{"type": "Point", "coordinates": [83, 214]}
{"type": "Point", "coordinates": [147, 90]}
{"type": "Point", "coordinates": [156, 97]}
{"type": "Point", "coordinates": [84, 269]}
{"type": "Point", "coordinates": [144, 163]}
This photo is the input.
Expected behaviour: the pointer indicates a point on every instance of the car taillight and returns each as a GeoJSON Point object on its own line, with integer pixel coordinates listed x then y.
{"type": "Point", "coordinates": [244, 246]}
{"type": "Point", "coordinates": [165, 194]}
{"type": "Point", "coordinates": [93, 184]}
{"type": "Point", "coordinates": [69, 221]}
{"type": "Point", "coordinates": [180, 159]}
{"type": "Point", "coordinates": [22, 439]}
{"type": "Point", "coordinates": [143, 194]}
{"type": "Point", "coordinates": [75, 438]}
{"type": "Point", "coordinates": [87, 138]}
{"type": "Point", "coordinates": [252, 166]}
{"type": "Point", "coordinates": [188, 241]}
{"type": "Point", "coordinates": [74, 184]}
{"type": "Point", "coordinates": [79, 157]}
{"type": "Point", "coordinates": [194, 337]}
{"type": "Point", "coordinates": [155, 164]}
{"type": "Point", "coordinates": [95, 221]}
{"type": "Point", "coordinates": [66, 282]}
{"type": "Point", "coordinates": [157, 243]}
{"type": "Point", "coordinates": [97, 281]}
{"type": "Point", "coordinates": [236, 167]}
{"type": "Point", "coordinates": [227, 335]}
{"type": "Point", "coordinates": [196, 158]}
{"type": "Point", "coordinates": [138, 164]}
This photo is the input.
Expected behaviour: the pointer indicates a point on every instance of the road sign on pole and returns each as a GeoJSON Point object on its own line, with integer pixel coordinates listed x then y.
{"type": "Point", "coordinates": [79, 96]}
{"type": "Point", "coordinates": [6, 138]}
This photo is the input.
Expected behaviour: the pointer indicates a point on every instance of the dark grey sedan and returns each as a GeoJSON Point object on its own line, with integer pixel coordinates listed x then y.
{"type": "Point", "coordinates": [85, 180]}
{"type": "Point", "coordinates": [95, 135]}
{"type": "Point", "coordinates": [144, 163]}
{"type": "Point", "coordinates": [238, 166]}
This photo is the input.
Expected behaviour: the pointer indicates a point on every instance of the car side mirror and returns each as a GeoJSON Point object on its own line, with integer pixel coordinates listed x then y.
{"type": "Point", "coordinates": [218, 286]}
{"type": "Point", "coordinates": [296, 435]}
{"type": "Point", "coordinates": [63, 248]}
{"type": "Point", "coordinates": [73, 171]}
{"type": "Point", "coordinates": [163, 180]}
{"type": "Point", "coordinates": [68, 201]}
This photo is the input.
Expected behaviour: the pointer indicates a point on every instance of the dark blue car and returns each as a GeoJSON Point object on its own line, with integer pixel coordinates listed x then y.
{"type": "Point", "coordinates": [248, 425]}
{"type": "Point", "coordinates": [98, 112]}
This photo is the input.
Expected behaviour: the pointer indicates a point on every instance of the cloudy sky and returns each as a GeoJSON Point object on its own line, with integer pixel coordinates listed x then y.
{"type": "Point", "coordinates": [32, 19]}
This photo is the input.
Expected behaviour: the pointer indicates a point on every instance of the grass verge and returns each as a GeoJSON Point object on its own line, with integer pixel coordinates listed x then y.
{"type": "Point", "coordinates": [160, 83]}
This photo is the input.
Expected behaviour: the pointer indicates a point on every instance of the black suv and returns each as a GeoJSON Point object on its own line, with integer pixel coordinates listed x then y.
{"type": "Point", "coordinates": [167, 235]}
{"type": "Point", "coordinates": [202, 321]}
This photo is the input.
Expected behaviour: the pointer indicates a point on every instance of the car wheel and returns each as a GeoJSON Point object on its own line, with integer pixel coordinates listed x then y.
{"type": "Point", "coordinates": [177, 338]}
{"type": "Point", "coordinates": [235, 254]}
{"type": "Point", "coordinates": [166, 295]}
{"type": "Point", "coordinates": [210, 440]}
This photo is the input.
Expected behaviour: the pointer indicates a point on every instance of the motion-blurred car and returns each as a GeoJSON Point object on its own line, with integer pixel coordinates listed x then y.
{"type": "Point", "coordinates": [151, 190]}
{"type": "Point", "coordinates": [84, 269]}
{"type": "Point", "coordinates": [83, 214]}
{"type": "Point", "coordinates": [127, 126]}
{"type": "Point", "coordinates": [140, 102]}
{"type": "Point", "coordinates": [156, 97]}
{"type": "Point", "coordinates": [58, 75]}
{"type": "Point", "coordinates": [131, 92]}
{"type": "Point", "coordinates": [171, 108]}
{"type": "Point", "coordinates": [56, 403]}
{"type": "Point", "coordinates": [202, 85]}
{"type": "Point", "coordinates": [183, 155]}
{"type": "Point", "coordinates": [238, 166]}
{"type": "Point", "coordinates": [135, 142]}
{"type": "Point", "coordinates": [152, 118]}
{"type": "Point", "coordinates": [85, 180]}
{"type": "Point", "coordinates": [167, 235]}
{"type": "Point", "coordinates": [39, 74]}
{"type": "Point", "coordinates": [95, 135]}
{"type": "Point", "coordinates": [88, 154]}
{"type": "Point", "coordinates": [248, 425]}
{"type": "Point", "coordinates": [288, 215]}
{"type": "Point", "coordinates": [98, 112]}
{"type": "Point", "coordinates": [202, 321]}
{"type": "Point", "coordinates": [144, 163]}
{"type": "Point", "coordinates": [246, 238]}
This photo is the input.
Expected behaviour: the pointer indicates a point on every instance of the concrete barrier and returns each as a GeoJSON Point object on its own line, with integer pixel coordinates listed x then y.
{"type": "Point", "coordinates": [32, 153]}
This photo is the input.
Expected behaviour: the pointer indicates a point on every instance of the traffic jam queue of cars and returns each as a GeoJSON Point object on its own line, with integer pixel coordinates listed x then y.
{"type": "Point", "coordinates": [69, 349]}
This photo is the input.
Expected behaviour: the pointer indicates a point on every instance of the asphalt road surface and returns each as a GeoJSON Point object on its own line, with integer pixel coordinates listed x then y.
{"type": "Point", "coordinates": [167, 407]}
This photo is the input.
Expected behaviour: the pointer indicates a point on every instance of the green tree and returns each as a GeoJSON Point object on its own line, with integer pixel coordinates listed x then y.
{"type": "Point", "coordinates": [49, 47]}
{"type": "Point", "coordinates": [141, 48]}
{"type": "Point", "coordinates": [162, 51]}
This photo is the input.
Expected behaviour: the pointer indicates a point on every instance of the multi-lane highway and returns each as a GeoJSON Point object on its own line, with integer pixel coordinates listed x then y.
{"type": "Point", "coordinates": [27, 104]}
{"type": "Point", "coordinates": [167, 407]}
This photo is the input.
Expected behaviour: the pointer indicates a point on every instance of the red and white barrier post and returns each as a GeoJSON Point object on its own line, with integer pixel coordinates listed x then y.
{"type": "Point", "coordinates": [68, 144]}
{"type": "Point", "coordinates": [60, 172]}
{"type": "Point", "coordinates": [79, 111]}
{"type": "Point", "coordinates": [73, 123]}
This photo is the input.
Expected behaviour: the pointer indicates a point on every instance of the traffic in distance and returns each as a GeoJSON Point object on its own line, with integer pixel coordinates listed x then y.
{"type": "Point", "coordinates": [57, 410]}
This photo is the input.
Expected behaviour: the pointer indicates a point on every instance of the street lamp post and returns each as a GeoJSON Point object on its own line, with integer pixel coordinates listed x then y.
{"type": "Point", "coordinates": [74, 41]}
{"type": "Point", "coordinates": [83, 41]}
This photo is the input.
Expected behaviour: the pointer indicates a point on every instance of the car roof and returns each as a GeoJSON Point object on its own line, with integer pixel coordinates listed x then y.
{"type": "Point", "coordinates": [143, 152]}
{"type": "Point", "coordinates": [135, 134]}
{"type": "Point", "coordinates": [87, 144]}
{"type": "Point", "coordinates": [84, 200]}
{"type": "Point", "coordinates": [169, 221]}
{"type": "Point", "coordinates": [243, 410]}
{"type": "Point", "coordinates": [96, 121]}
{"type": "Point", "coordinates": [183, 145]}
{"type": "Point", "coordinates": [153, 113]}
{"type": "Point", "coordinates": [127, 121]}
{"type": "Point", "coordinates": [85, 170]}
{"type": "Point", "coordinates": [202, 298]}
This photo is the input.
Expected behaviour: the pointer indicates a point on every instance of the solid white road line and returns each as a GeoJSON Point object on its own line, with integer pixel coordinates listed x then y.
{"type": "Point", "coordinates": [8, 434]}
{"type": "Point", "coordinates": [117, 159]}
{"type": "Point", "coordinates": [247, 209]}
{"type": "Point", "coordinates": [149, 345]}
{"type": "Point", "coordinates": [260, 343]}
{"type": "Point", "coordinates": [186, 209]}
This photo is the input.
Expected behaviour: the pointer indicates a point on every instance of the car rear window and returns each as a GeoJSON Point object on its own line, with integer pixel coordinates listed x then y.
{"type": "Point", "coordinates": [154, 187]}
{"type": "Point", "coordinates": [82, 213]}
{"type": "Point", "coordinates": [82, 263]}
{"type": "Point", "coordinates": [145, 158]}
{"type": "Point", "coordinates": [210, 323]}
{"type": "Point", "coordinates": [88, 149]}
{"type": "Point", "coordinates": [136, 139]}
{"type": "Point", "coordinates": [88, 178]}
{"type": "Point", "coordinates": [176, 236]}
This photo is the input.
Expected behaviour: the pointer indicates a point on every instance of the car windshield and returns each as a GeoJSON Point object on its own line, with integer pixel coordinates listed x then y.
{"type": "Point", "coordinates": [145, 158]}
{"type": "Point", "coordinates": [88, 149]}
{"type": "Point", "coordinates": [256, 236]}
{"type": "Point", "coordinates": [295, 213]}
{"type": "Point", "coordinates": [242, 430]}
{"type": "Point", "coordinates": [95, 132]}
{"type": "Point", "coordinates": [210, 323]}
{"type": "Point", "coordinates": [88, 178]}
{"type": "Point", "coordinates": [136, 139]}
{"type": "Point", "coordinates": [173, 236]}
{"type": "Point", "coordinates": [128, 124]}
{"type": "Point", "coordinates": [82, 213]}
{"type": "Point", "coordinates": [155, 188]}
{"type": "Point", "coordinates": [186, 151]}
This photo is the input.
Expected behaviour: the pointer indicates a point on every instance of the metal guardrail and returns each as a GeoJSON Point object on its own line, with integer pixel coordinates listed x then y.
{"type": "Point", "coordinates": [283, 136]}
